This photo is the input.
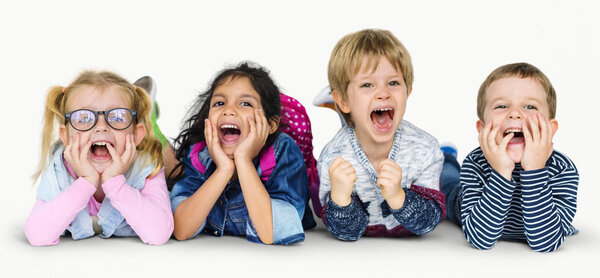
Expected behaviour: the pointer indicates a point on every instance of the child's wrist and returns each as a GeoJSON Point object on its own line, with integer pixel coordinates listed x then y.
{"type": "Point", "coordinates": [92, 180]}
{"type": "Point", "coordinates": [397, 201]}
{"type": "Point", "coordinates": [342, 201]}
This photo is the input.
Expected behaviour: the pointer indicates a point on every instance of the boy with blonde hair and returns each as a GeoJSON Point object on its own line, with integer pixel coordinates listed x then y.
{"type": "Point", "coordinates": [515, 186]}
{"type": "Point", "coordinates": [379, 174]}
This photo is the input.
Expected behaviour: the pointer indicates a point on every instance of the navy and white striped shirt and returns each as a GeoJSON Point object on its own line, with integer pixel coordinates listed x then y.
{"type": "Point", "coordinates": [537, 206]}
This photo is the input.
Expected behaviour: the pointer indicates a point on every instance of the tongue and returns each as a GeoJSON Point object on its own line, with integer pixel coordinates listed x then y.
{"type": "Point", "coordinates": [516, 139]}
{"type": "Point", "coordinates": [230, 137]}
{"type": "Point", "coordinates": [100, 151]}
{"type": "Point", "coordinates": [381, 119]}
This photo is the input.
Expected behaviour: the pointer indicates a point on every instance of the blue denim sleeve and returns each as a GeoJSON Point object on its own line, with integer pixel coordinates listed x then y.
{"type": "Point", "coordinates": [287, 226]}
{"type": "Point", "coordinates": [289, 181]}
{"type": "Point", "coordinates": [419, 215]}
{"type": "Point", "coordinates": [345, 223]}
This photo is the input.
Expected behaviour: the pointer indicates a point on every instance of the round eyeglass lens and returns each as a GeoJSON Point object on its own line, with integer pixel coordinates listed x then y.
{"type": "Point", "coordinates": [119, 118]}
{"type": "Point", "coordinates": [83, 119]}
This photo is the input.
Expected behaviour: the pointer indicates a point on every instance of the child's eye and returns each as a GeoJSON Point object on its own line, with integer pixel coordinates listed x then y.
{"type": "Point", "coordinates": [245, 103]}
{"type": "Point", "coordinates": [500, 106]}
{"type": "Point", "coordinates": [394, 83]}
{"type": "Point", "coordinates": [116, 119]}
{"type": "Point", "coordinates": [218, 103]}
{"type": "Point", "coordinates": [530, 107]}
{"type": "Point", "coordinates": [366, 85]}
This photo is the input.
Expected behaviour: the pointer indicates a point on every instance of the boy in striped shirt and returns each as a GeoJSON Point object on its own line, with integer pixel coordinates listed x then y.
{"type": "Point", "coordinates": [515, 186]}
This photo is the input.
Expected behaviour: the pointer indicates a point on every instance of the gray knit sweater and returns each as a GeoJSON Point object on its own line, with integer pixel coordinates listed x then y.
{"type": "Point", "coordinates": [419, 156]}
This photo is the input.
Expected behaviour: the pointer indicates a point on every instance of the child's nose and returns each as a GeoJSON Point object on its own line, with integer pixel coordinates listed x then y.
{"type": "Point", "coordinates": [382, 93]}
{"type": "Point", "coordinates": [229, 111]}
{"type": "Point", "coordinates": [515, 114]}
{"type": "Point", "coordinates": [101, 125]}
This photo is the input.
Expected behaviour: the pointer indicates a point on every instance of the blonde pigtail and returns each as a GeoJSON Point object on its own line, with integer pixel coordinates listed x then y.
{"type": "Point", "coordinates": [149, 144]}
{"type": "Point", "coordinates": [52, 119]}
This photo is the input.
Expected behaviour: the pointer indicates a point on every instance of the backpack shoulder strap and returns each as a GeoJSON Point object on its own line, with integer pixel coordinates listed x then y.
{"type": "Point", "coordinates": [198, 147]}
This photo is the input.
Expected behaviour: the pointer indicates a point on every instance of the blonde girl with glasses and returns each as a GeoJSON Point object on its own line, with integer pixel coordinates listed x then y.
{"type": "Point", "coordinates": [104, 175]}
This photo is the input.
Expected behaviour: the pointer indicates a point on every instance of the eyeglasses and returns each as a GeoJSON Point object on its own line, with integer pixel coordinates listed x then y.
{"type": "Point", "coordinates": [84, 119]}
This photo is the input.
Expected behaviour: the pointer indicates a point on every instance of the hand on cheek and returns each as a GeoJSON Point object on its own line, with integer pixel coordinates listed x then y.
{"type": "Point", "coordinates": [76, 153]}
{"type": "Point", "coordinates": [257, 136]}
{"type": "Point", "coordinates": [538, 134]}
{"type": "Point", "coordinates": [120, 163]}
{"type": "Point", "coordinates": [223, 162]}
{"type": "Point", "coordinates": [495, 153]}
{"type": "Point", "coordinates": [390, 181]}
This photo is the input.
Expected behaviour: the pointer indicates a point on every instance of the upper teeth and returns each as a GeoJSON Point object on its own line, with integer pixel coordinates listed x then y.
{"type": "Point", "coordinates": [382, 109]}
{"type": "Point", "coordinates": [229, 126]}
{"type": "Point", "coordinates": [512, 130]}
{"type": "Point", "coordinates": [99, 144]}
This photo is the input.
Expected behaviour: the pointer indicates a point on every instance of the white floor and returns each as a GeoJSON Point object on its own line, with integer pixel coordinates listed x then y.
{"type": "Point", "coordinates": [444, 252]}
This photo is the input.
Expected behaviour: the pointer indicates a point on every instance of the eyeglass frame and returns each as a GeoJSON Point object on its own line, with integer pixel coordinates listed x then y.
{"type": "Point", "coordinates": [104, 113]}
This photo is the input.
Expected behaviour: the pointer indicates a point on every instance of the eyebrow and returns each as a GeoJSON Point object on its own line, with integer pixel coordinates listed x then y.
{"type": "Point", "coordinates": [244, 95]}
{"type": "Point", "coordinates": [527, 99]}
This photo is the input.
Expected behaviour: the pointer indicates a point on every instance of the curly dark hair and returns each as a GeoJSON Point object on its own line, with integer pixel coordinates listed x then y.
{"type": "Point", "coordinates": [193, 128]}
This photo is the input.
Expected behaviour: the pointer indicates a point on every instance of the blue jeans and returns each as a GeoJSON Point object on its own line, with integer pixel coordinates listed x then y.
{"type": "Point", "coordinates": [450, 186]}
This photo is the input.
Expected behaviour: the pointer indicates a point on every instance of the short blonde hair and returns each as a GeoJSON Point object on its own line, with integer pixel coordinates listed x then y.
{"type": "Point", "coordinates": [521, 70]}
{"type": "Point", "coordinates": [347, 56]}
{"type": "Point", "coordinates": [56, 106]}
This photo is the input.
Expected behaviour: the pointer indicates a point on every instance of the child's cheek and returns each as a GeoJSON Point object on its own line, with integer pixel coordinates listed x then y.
{"type": "Point", "coordinates": [85, 137]}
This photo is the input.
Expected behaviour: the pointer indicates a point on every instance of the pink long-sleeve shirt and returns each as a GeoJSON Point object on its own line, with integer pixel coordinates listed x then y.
{"type": "Point", "coordinates": [147, 211]}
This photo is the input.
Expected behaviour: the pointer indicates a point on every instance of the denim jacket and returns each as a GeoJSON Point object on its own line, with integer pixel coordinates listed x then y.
{"type": "Point", "coordinates": [286, 185]}
{"type": "Point", "coordinates": [56, 179]}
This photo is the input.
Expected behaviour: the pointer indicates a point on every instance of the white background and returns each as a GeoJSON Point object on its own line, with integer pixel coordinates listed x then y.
{"type": "Point", "coordinates": [454, 46]}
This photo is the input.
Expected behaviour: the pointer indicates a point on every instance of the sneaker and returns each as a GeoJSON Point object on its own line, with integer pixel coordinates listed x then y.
{"type": "Point", "coordinates": [449, 148]}
{"type": "Point", "coordinates": [148, 84]}
{"type": "Point", "coordinates": [325, 99]}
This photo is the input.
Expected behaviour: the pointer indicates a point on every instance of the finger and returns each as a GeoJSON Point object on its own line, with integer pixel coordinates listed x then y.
{"type": "Point", "coordinates": [129, 149]}
{"type": "Point", "coordinates": [544, 126]}
{"type": "Point", "coordinates": [259, 121]}
{"type": "Point", "coordinates": [207, 132]}
{"type": "Point", "coordinates": [336, 162]}
{"type": "Point", "coordinates": [492, 135]}
{"type": "Point", "coordinates": [75, 147]}
{"type": "Point", "coordinates": [67, 151]}
{"type": "Point", "coordinates": [85, 150]}
{"type": "Point", "coordinates": [535, 128]}
{"type": "Point", "coordinates": [484, 134]}
{"type": "Point", "coordinates": [252, 125]}
{"type": "Point", "coordinates": [505, 141]}
{"type": "Point", "coordinates": [526, 134]}
{"type": "Point", "coordinates": [113, 153]}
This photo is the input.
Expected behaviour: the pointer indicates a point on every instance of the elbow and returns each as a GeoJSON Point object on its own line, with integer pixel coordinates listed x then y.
{"type": "Point", "coordinates": [159, 237]}
{"type": "Point", "coordinates": [180, 233]}
{"type": "Point", "coordinates": [37, 237]}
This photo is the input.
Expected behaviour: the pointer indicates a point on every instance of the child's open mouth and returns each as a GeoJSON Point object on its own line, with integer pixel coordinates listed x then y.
{"type": "Point", "coordinates": [230, 133]}
{"type": "Point", "coordinates": [382, 119]}
{"type": "Point", "coordinates": [99, 151]}
{"type": "Point", "coordinates": [517, 137]}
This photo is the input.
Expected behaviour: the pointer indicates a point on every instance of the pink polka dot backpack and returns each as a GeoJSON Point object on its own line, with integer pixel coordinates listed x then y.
{"type": "Point", "coordinates": [297, 125]}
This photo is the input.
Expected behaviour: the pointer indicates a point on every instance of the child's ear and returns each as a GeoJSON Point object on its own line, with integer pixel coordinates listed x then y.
{"type": "Point", "coordinates": [139, 132]}
{"type": "Point", "coordinates": [340, 101]}
{"type": "Point", "coordinates": [479, 125]}
{"type": "Point", "coordinates": [274, 124]}
{"type": "Point", "coordinates": [554, 126]}
{"type": "Point", "coordinates": [62, 133]}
